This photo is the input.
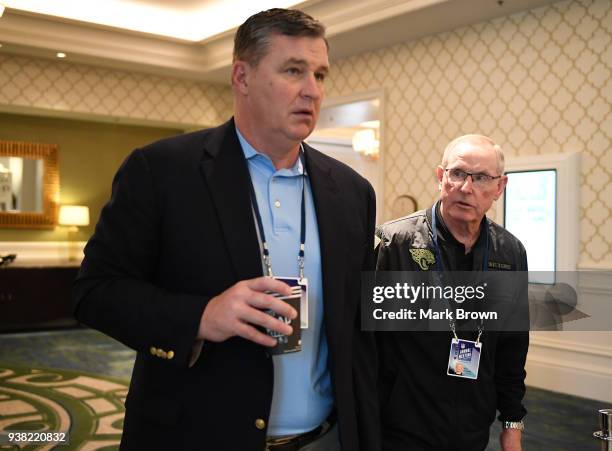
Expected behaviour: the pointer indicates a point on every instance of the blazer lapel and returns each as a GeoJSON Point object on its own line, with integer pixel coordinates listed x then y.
{"type": "Point", "coordinates": [328, 206]}
{"type": "Point", "coordinates": [227, 176]}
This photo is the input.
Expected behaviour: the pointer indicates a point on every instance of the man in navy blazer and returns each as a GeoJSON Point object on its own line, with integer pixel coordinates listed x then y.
{"type": "Point", "coordinates": [175, 271]}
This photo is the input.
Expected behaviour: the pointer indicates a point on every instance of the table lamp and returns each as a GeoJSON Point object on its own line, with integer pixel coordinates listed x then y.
{"type": "Point", "coordinates": [73, 216]}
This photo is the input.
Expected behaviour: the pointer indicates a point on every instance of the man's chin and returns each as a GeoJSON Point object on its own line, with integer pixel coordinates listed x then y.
{"type": "Point", "coordinates": [300, 133]}
{"type": "Point", "coordinates": [463, 214]}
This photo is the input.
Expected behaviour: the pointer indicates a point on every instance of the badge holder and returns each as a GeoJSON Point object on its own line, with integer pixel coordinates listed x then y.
{"type": "Point", "coordinates": [298, 299]}
{"type": "Point", "coordinates": [464, 358]}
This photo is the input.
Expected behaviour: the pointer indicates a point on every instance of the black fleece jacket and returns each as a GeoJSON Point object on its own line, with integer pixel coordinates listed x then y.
{"type": "Point", "coordinates": [422, 408]}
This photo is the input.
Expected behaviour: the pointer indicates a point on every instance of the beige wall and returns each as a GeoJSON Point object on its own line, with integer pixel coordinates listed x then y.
{"type": "Point", "coordinates": [68, 88]}
{"type": "Point", "coordinates": [91, 152]}
{"type": "Point", "coordinates": [536, 82]}
{"type": "Point", "coordinates": [89, 155]}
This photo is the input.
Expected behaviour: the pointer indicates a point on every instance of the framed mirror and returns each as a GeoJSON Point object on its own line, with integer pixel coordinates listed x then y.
{"type": "Point", "coordinates": [29, 185]}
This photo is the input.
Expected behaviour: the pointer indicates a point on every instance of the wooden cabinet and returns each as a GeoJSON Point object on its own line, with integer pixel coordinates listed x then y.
{"type": "Point", "coordinates": [36, 296]}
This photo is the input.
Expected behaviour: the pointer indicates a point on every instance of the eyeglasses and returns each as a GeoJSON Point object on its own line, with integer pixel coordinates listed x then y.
{"type": "Point", "coordinates": [456, 175]}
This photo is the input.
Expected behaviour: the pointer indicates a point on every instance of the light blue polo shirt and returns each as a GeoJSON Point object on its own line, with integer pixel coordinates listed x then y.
{"type": "Point", "coordinates": [302, 398]}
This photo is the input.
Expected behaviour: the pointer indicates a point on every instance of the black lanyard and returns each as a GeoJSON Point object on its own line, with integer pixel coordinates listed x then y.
{"type": "Point", "coordinates": [262, 236]}
{"type": "Point", "coordinates": [440, 266]}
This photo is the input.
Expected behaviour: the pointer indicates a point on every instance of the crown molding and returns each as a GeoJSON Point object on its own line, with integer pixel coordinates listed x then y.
{"type": "Point", "coordinates": [352, 27]}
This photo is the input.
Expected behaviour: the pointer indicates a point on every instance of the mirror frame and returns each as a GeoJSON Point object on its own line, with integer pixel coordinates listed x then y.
{"type": "Point", "coordinates": [36, 151]}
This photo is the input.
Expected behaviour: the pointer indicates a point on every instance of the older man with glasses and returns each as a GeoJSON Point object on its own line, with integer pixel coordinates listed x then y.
{"type": "Point", "coordinates": [422, 406]}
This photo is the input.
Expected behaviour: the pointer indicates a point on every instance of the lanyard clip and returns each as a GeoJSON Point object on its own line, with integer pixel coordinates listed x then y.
{"type": "Point", "coordinates": [266, 258]}
{"type": "Point", "coordinates": [301, 260]}
{"type": "Point", "coordinates": [266, 261]}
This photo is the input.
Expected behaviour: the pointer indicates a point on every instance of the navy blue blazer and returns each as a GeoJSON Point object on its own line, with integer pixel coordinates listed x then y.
{"type": "Point", "coordinates": [177, 231]}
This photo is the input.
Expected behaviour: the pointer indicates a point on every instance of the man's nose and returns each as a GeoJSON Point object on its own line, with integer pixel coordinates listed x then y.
{"type": "Point", "coordinates": [468, 184]}
{"type": "Point", "coordinates": [311, 87]}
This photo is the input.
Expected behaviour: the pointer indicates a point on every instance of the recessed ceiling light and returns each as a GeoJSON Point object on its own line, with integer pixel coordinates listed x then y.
{"type": "Point", "coordinates": [195, 21]}
{"type": "Point", "coordinates": [61, 55]}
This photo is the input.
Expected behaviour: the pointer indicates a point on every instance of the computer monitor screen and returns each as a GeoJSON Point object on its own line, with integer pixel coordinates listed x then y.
{"type": "Point", "coordinates": [530, 215]}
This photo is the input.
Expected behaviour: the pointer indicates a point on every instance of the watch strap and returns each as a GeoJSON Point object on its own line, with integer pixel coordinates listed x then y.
{"type": "Point", "coordinates": [513, 425]}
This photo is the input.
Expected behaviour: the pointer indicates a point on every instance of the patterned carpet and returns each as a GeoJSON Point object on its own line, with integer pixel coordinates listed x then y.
{"type": "Point", "coordinates": [88, 408]}
{"type": "Point", "coordinates": [85, 391]}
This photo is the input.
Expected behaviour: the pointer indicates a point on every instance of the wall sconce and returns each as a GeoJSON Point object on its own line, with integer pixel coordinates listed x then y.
{"type": "Point", "coordinates": [365, 143]}
{"type": "Point", "coordinates": [73, 216]}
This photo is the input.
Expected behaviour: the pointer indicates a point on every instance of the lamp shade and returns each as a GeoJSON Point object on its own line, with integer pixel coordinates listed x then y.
{"type": "Point", "coordinates": [74, 215]}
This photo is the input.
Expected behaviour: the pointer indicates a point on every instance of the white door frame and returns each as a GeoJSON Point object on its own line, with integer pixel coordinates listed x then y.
{"type": "Point", "coordinates": [378, 94]}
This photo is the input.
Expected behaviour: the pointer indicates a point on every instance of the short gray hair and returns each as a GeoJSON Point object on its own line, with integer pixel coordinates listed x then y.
{"type": "Point", "coordinates": [474, 137]}
{"type": "Point", "coordinates": [253, 36]}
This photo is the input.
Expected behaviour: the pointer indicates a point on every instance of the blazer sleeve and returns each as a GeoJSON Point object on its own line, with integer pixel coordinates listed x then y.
{"type": "Point", "coordinates": [365, 358]}
{"type": "Point", "coordinates": [115, 291]}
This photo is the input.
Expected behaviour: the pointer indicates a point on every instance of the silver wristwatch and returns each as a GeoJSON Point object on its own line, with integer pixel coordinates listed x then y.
{"type": "Point", "coordinates": [513, 425]}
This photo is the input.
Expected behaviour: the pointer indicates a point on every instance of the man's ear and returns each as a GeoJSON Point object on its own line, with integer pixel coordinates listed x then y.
{"type": "Point", "coordinates": [240, 75]}
{"type": "Point", "coordinates": [439, 175]}
{"type": "Point", "coordinates": [502, 185]}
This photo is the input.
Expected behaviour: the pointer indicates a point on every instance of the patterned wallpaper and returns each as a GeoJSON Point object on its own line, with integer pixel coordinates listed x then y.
{"type": "Point", "coordinates": [67, 87]}
{"type": "Point", "coordinates": [536, 82]}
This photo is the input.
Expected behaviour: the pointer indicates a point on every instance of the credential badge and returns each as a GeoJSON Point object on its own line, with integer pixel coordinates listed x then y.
{"type": "Point", "coordinates": [423, 257]}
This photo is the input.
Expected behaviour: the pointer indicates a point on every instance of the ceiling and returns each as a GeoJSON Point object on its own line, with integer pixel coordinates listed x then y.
{"type": "Point", "coordinates": [193, 38]}
{"type": "Point", "coordinates": [184, 20]}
